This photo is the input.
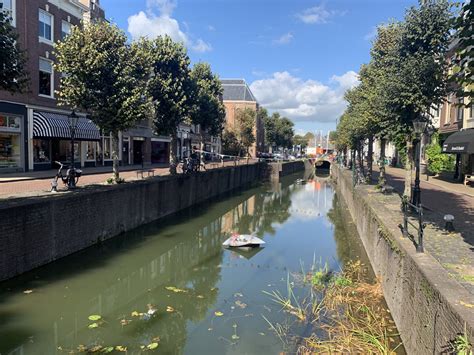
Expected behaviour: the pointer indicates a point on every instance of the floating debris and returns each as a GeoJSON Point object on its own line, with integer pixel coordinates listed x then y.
{"type": "Point", "coordinates": [218, 314]}
{"type": "Point", "coordinates": [27, 292]}
{"type": "Point", "coordinates": [176, 290]}
{"type": "Point", "coordinates": [95, 317]}
{"type": "Point", "coordinates": [169, 309]}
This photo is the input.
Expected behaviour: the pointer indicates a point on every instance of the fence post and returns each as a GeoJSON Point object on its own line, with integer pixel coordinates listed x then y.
{"type": "Point", "coordinates": [405, 217]}
{"type": "Point", "coordinates": [420, 247]}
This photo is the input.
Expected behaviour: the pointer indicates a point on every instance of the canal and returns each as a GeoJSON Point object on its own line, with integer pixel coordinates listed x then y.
{"type": "Point", "coordinates": [171, 284]}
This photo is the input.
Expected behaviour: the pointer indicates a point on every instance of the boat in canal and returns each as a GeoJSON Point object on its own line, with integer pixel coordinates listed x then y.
{"type": "Point", "coordinates": [243, 241]}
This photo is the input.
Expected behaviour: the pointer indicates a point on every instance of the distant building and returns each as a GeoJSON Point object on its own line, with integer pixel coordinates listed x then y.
{"type": "Point", "coordinates": [237, 96]}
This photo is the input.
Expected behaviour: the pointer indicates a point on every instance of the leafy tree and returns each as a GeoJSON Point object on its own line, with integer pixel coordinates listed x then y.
{"type": "Point", "coordinates": [170, 87]}
{"type": "Point", "coordinates": [244, 127]}
{"type": "Point", "coordinates": [278, 131]}
{"type": "Point", "coordinates": [13, 75]}
{"type": "Point", "coordinates": [421, 81]}
{"type": "Point", "coordinates": [209, 111]}
{"type": "Point", "coordinates": [230, 143]}
{"type": "Point", "coordinates": [300, 140]}
{"type": "Point", "coordinates": [462, 64]}
{"type": "Point", "coordinates": [105, 77]}
{"type": "Point", "coordinates": [436, 159]}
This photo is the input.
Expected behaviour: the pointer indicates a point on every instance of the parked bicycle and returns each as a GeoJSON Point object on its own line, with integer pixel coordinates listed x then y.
{"type": "Point", "coordinates": [69, 180]}
{"type": "Point", "coordinates": [192, 165]}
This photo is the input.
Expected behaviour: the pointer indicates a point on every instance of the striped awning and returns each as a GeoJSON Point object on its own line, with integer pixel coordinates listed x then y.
{"type": "Point", "coordinates": [54, 125]}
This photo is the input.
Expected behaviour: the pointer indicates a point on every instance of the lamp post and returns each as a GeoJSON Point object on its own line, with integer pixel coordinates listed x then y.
{"type": "Point", "coordinates": [73, 119]}
{"type": "Point", "coordinates": [419, 127]}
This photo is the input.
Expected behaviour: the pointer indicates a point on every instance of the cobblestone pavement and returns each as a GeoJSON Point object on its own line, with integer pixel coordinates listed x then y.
{"type": "Point", "coordinates": [25, 186]}
{"type": "Point", "coordinates": [454, 251]}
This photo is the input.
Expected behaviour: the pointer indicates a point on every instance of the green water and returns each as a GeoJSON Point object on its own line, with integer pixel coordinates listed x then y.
{"type": "Point", "coordinates": [299, 223]}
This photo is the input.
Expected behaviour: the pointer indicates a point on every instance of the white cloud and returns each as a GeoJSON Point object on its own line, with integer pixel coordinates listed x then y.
{"type": "Point", "coordinates": [166, 7]}
{"type": "Point", "coordinates": [317, 15]}
{"type": "Point", "coordinates": [347, 80]}
{"type": "Point", "coordinates": [304, 100]}
{"type": "Point", "coordinates": [284, 39]}
{"type": "Point", "coordinates": [211, 28]}
{"type": "Point", "coordinates": [149, 24]}
{"type": "Point", "coordinates": [201, 46]}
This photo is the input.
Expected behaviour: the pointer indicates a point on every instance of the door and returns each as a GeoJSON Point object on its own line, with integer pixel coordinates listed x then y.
{"type": "Point", "coordinates": [137, 152]}
{"type": "Point", "coordinates": [125, 150]}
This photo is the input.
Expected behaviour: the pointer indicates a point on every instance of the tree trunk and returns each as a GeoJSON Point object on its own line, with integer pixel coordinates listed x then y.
{"type": "Point", "coordinates": [115, 156]}
{"type": "Point", "coordinates": [173, 153]}
{"type": "Point", "coordinates": [370, 153]}
{"type": "Point", "coordinates": [360, 163]}
{"type": "Point", "coordinates": [382, 178]}
{"type": "Point", "coordinates": [408, 168]}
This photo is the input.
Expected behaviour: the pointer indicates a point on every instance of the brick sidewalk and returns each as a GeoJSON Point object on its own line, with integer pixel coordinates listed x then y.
{"type": "Point", "coordinates": [37, 184]}
{"type": "Point", "coordinates": [453, 250]}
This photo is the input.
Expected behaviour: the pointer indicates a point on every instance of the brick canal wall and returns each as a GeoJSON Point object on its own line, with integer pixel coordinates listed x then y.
{"type": "Point", "coordinates": [38, 230]}
{"type": "Point", "coordinates": [429, 308]}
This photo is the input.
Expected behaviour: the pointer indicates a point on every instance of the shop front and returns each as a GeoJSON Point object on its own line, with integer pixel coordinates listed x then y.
{"type": "Point", "coordinates": [461, 143]}
{"type": "Point", "coordinates": [160, 151]}
{"type": "Point", "coordinates": [52, 141]}
{"type": "Point", "coordinates": [11, 147]}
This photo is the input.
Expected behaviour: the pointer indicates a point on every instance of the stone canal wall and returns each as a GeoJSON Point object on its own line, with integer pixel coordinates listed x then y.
{"type": "Point", "coordinates": [38, 230]}
{"type": "Point", "coordinates": [429, 308]}
{"type": "Point", "coordinates": [280, 169]}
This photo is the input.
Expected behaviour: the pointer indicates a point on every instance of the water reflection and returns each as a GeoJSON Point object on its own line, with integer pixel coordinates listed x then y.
{"type": "Point", "coordinates": [124, 275]}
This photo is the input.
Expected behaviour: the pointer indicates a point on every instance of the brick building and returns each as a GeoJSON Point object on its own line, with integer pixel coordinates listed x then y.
{"type": "Point", "coordinates": [237, 95]}
{"type": "Point", "coordinates": [34, 130]}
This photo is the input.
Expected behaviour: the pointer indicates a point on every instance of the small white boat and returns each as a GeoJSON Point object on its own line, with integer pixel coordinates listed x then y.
{"type": "Point", "coordinates": [243, 240]}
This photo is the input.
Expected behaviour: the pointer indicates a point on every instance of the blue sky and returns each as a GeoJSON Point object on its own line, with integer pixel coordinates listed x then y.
{"type": "Point", "coordinates": [298, 56]}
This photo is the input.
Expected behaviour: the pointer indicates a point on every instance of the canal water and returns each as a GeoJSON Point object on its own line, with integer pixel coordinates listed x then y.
{"type": "Point", "coordinates": [171, 283]}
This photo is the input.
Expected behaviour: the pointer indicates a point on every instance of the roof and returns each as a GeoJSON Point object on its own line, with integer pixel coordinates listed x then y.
{"type": "Point", "coordinates": [236, 90]}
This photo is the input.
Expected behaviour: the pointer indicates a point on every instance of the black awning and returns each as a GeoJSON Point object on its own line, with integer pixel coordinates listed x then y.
{"type": "Point", "coordinates": [53, 125]}
{"type": "Point", "coordinates": [461, 142]}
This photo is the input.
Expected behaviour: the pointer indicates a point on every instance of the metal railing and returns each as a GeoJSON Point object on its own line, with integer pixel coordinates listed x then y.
{"type": "Point", "coordinates": [410, 210]}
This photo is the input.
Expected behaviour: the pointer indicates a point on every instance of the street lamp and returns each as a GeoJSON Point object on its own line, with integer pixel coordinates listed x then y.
{"type": "Point", "coordinates": [73, 120]}
{"type": "Point", "coordinates": [419, 127]}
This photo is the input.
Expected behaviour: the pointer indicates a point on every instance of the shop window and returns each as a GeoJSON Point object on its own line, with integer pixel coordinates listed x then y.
{"type": "Point", "coordinates": [41, 151]}
{"type": "Point", "coordinates": [65, 151]}
{"type": "Point", "coordinates": [91, 148]}
{"type": "Point", "coordinates": [10, 123]}
{"type": "Point", "coordinates": [107, 147]}
{"type": "Point", "coordinates": [65, 29]}
{"type": "Point", "coordinates": [45, 26]}
{"type": "Point", "coordinates": [10, 151]}
{"type": "Point", "coordinates": [45, 77]}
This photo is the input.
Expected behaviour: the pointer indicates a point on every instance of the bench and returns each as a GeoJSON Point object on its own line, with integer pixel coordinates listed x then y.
{"type": "Point", "coordinates": [468, 178]}
{"type": "Point", "coordinates": [149, 172]}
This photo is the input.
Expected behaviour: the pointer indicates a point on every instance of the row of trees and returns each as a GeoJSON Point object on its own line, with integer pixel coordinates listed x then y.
{"type": "Point", "coordinates": [405, 78]}
{"type": "Point", "coordinates": [118, 84]}
{"type": "Point", "coordinates": [237, 139]}
{"type": "Point", "coordinates": [279, 130]}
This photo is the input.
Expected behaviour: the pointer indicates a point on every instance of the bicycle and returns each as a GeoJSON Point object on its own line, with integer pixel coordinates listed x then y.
{"type": "Point", "coordinates": [69, 180]}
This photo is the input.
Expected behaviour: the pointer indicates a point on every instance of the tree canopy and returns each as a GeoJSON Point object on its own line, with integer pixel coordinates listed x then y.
{"type": "Point", "coordinates": [208, 111]}
{"type": "Point", "coordinates": [279, 130]}
{"type": "Point", "coordinates": [13, 75]}
{"type": "Point", "coordinates": [103, 76]}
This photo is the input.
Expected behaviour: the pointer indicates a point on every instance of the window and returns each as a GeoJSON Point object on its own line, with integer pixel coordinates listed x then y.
{"type": "Point", "coordinates": [65, 29]}
{"type": "Point", "coordinates": [90, 150]}
{"type": "Point", "coordinates": [41, 151]}
{"type": "Point", "coordinates": [45, 26]}
{"type": "Point", "coordinates": [460, 109]}
{"type": "Point", "coordinates": [45, 77]}
{"type": "Point", "coordinates": [8, 6]}
{"type": "Point", "coordinates": [470, 110]}
{"type": "Point", "coordinates": [105, 149]}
